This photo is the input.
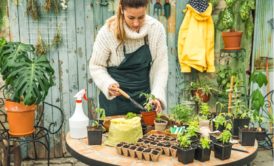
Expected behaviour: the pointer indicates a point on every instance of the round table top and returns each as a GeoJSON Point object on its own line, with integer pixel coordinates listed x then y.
{"type": "Point", "coordinates": [106, 155]}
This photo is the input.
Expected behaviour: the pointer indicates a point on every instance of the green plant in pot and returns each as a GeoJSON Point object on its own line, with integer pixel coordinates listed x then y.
{"type": "Point", "coordinates": [149, 115]}
{"type": "Point", "coordinates": [181, 114]}
{"type": "Point", "coordinates": [95, 130]}
{"type": "Point", "coordinates": [193, 131]}
{"type": "Point", "coordinates": [204, 119]}
{"type": "Point", "coordinates": [222, 121]}
{"type": "Point", "coordinates": [185, 151]}
{"type": "Point", "coordinates": [240, 116]}
{"type": "Point", "coordinates": [202, 153]}
{"type": "Point", "coordinates": [259, 113]}
{"type": "Point", "coordinates": [159, 123]}
{"type": "Point", "coordinates": [222, 148]}
{"type": "Point", "coordinates": [27, 80]}
{"type": "Point", "coordinates": [201, 90]}
{"type": "Point", "coordinates": [227, 21]}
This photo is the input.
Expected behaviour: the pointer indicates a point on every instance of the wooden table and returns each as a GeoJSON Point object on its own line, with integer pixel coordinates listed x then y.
{"type": "Point", "coordinates": [105, 155]}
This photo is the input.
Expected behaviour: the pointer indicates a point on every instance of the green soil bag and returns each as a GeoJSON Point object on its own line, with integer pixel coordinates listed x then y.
{"type": "Point", "coordinates": [124, 130]}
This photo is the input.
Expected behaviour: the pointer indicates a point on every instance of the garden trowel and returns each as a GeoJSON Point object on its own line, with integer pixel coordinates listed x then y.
{"type": "Point", "coordinates": [135, 103]}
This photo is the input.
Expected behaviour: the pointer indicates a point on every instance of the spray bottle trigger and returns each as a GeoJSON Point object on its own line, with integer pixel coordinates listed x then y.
{"type": "Point", "coordinates": [85, 97]}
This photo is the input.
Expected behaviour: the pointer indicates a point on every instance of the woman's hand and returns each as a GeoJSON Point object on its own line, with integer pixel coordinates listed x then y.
{"type": "Point", "coordinates": [113, 90]}
{"type": "Point", "coordinates": [158, 105]}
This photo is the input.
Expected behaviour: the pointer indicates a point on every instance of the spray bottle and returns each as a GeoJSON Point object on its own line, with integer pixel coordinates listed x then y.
{"type": "Point", "coordinates": [79, 121]}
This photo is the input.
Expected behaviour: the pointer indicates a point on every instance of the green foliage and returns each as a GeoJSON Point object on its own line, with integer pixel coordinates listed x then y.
{"type": "Point", "coordinates": [204, 110]}
{"type": "Point", "coordinates": [100, 112]}
{"type": "Point", "coordinates": [202, 85]}
{"type": "Point", "coordinates": [130, 115]}
{"type": "Point", "coordinates": [225, 137]}
{"type": "Point", "coordinates": [239, 109]}
{"type": "Point", "coordinates": [214, 2]}
{"type": "Point", "coordinates": [222, 120]}
{"type": "Point", "coordinates": [258, 78]}
{"type": "Point", "coordinates": [182, 113]}
{"type": "Point", "coordinates": [193, 128]}
{"type": "Point", "coordinates": [3, 11]}
{"type": "Point", "coordinates": [234, 8]}
{"type": "Point", "coordinates": [184, 141]}
{"type": "Point", "coordinates": [148, 106]}
{"type": "Point", "coordinates": [26, 79]}
{"type": "Point", "coordinates": [205, 142]}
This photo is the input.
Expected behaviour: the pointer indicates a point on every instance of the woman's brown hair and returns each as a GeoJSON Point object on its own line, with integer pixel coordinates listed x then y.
{"type": "Point", "coordinates": [119, 27]}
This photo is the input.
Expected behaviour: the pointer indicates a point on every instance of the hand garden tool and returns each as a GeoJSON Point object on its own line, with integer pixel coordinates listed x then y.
{"type": "Point", "coordinates": [157, 8]}
{"type": "Point", "coordinates": [135, 103]}
{"type": "Point", "coordinates": [167, 8]}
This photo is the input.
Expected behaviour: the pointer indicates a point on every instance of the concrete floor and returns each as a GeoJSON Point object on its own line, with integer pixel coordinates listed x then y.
{"type": "Point", "coordinates": [263, 158]}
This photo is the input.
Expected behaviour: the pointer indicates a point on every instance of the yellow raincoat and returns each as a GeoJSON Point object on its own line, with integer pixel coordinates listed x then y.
{"type": "Point", "coordinates": [196, 41]}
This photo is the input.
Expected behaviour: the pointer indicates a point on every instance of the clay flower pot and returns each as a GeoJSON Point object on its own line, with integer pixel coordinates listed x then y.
{"type": "Point", "coordinates": [155, 155]}
{"type": "Point", "coordinates": [146, 154]}
{"type": "Point", "coordinates": [139, 153]}
{"type": "Point", "coordinates": [149, 117]}
{"type": "Point", "coordinates": [132, 151]}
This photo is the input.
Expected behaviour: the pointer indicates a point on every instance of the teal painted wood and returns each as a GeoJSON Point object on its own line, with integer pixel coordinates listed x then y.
{"type": "Point", "coordinates": [13, 21]}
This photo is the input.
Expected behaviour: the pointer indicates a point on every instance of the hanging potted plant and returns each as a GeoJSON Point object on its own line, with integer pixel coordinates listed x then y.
{"type": "Point", "coordinates": [226, 21]}
{"type": "Point", "coordinates": [185, 151]}
{"type": "Point", "coordinates": [202, 153]}
{"type": "Point", "coordinates": [201, 90]}
{"type": "Point", "coordinates": [95, 131]}
{"type": "Point", "coordinates": [28, 78]}
{"type": "Point", "coordinates": [149, 115]}
{"type": "Point", "coordinates": [222, 148]}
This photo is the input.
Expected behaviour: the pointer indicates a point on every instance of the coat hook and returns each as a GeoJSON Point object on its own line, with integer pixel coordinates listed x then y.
{"type": "Point", "coordinates": [157, 8]}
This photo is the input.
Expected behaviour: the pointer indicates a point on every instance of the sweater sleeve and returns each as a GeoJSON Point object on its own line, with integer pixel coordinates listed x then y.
{"type": "Point", "coordinates": [159, 68]}
{"type": "Point", "coordinates": [98, 62]}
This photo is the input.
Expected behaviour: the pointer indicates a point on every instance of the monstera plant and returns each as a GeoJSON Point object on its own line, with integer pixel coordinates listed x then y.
{"type": "Point", "coordinates": [27, 77]}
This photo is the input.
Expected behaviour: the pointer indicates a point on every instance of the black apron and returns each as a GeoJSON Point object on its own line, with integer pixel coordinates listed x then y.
{"type": "Point", "coordinates": [133, 77]}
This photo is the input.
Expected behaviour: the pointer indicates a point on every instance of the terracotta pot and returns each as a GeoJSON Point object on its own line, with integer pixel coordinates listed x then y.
{"type": "Point", "coordinates": [199, 93]}
{"type": "Point", "coordinates": [149, 117]}
{"type": "Point", "coordinates": [232, 40]}
{"type": "Point", "coordinates": [20, 118]}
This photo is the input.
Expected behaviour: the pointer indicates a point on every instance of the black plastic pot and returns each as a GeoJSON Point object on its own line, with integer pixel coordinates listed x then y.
{"type": "Point", "coordinates": [247, 136]}
{"type": "Point", "coordinates": [202, 154]}
{"type": "Point", "coordinates": [95, 135]}
{"type": "Point", "coordinates": [260, 135]}
{"type": "Point", "coordinates": [239, 123]}
{"type": "Point", "coordinates": [185, 156]}
{"type": "Point", "coordinates": [222, 151]}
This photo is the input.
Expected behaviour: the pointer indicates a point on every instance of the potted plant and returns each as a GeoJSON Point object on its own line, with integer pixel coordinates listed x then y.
{"type": "Point", "coordinates": [149, 115]}
{"type": "Point", "coordinates": [193, 131]}
{"type": "Point", "coordinates": [257, 104]}
{"type": "Point", "coordinates": [201, 90]}
{"type": "Point", "coordinates": [202, 153]}
{"type": "Point", "coordinates": [159, 123]}
{"type": "Point", "coordinates": [28, 78]}
{"type": "Point", "coordinates": [181, 113]}
{"type": "Point", "coordinates": [95, 131]}
{"type": "Point", "coordinates": [240, 116]}
{"type": "Point", "coordinates": [185, 151]}
{"type": "Point", "coordinates": [204, 119]}
{"type": "Point", "coordinates": [226, 21]}
{"type": "Point", "coordinates": [222, 121]}
{"type": "Point", "coordinates": [222, 148]}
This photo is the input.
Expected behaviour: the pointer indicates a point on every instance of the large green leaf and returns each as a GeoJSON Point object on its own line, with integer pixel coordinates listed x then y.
{"type": "Point", "coordinates": [259, 78]}
{"type": "Point", "coordinates": [32, 79]}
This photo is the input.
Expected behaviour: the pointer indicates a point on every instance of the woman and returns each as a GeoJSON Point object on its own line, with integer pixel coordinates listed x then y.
{"type": "Point", "coordinates": [130, 53]}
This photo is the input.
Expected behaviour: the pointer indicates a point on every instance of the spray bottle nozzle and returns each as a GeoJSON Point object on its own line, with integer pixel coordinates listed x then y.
{"type": "Point", "coordinates": [81, 94]}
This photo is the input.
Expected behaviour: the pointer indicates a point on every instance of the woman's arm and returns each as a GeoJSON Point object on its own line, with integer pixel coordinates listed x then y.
{"type": "Point", "coordinates": [159, 68]}
{"type": "Point", "coordinates": [98, 62]}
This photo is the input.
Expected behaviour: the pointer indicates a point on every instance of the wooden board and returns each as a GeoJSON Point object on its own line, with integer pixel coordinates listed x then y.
{"type": "Point", "coordinates": [85, 153]}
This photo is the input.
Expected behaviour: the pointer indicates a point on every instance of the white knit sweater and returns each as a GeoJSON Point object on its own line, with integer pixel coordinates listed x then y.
{"type": "Point", "coordinates": [105, 53]}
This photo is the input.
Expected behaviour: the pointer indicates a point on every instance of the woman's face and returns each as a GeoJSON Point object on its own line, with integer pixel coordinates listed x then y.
{"type": "Point", "coordinates": [134, 17]}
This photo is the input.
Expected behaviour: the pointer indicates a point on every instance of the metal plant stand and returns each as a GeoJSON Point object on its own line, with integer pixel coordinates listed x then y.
{"type": "Point", "coordinates": [41, 132]}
